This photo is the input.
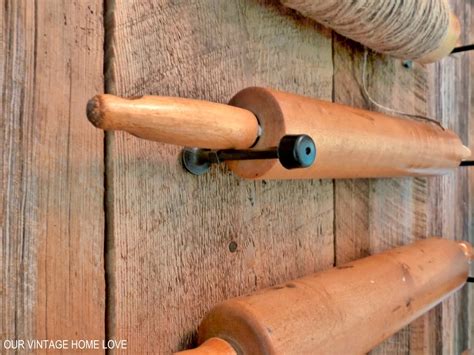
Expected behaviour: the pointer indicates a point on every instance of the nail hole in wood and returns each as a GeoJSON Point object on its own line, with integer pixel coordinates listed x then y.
{"type": "Point", "coordinates": [232, 246]}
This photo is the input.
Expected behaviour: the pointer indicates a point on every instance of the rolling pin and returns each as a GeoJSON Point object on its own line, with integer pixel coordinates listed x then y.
{"type": "Point", "coordinates": [345, 310]}
{"type": "Point", "coordinates": [350, 142]}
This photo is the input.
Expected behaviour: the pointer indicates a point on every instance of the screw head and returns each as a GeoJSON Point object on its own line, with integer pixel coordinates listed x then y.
{"type": "Point", "coordinates": [407, 64]}
{"type": "Point", "coordinates": [193, 161]}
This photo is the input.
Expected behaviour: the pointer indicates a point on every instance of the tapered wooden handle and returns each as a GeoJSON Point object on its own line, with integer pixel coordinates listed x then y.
{"type": "Point", "coordinates": [173, 120]}
{"type": "Point", "coordinates": [212, 346]}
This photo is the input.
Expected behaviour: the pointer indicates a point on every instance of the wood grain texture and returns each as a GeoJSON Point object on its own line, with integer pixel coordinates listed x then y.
{"type": "Point", "coordinates": [450, 206]}
{"type": "Point", "coordinates": [396, 211]}
{"type": "Point", "coordinates": [374, 215]}
{"type": "Point", "coordinates": [470, 319]}
{"type": "Point", "coordinates": [174, 120]}
{"type": "Point", "coordinates": [170, 234]}
{"type": "Point", "coordinates": [51, 242]}
{"type": "Point", "coordinates": [351, 143]}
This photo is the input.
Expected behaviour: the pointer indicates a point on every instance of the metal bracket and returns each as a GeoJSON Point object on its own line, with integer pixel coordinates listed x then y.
{"type": "Point", "coordinates": [293, 151]}
{"type": "Point", "coordinates": [465, 48]}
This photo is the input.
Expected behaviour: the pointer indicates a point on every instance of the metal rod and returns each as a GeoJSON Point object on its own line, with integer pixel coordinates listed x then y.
{"type": "Point", "coordinates": [293, 151]}
{"type": "Point", "coordinates": [248, 154]}
{"type": "Point", "coordinates": [465, 48]}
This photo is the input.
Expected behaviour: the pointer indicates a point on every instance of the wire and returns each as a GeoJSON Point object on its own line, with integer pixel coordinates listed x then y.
{"type": "Point", "coordinates": [365, 91]}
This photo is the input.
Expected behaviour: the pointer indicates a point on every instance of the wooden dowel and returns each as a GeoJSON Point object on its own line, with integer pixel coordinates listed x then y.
{"type": "Point", "coordinates": [345, 310]}
{"type": "Point", "coordinates": [185, 122]}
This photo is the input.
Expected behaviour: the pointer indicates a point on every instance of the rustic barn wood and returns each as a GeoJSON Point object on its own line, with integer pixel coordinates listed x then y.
{"type": "Point", "coordinates": [179, 244]}
{"type": "Point", "coordinates": [470, 75]}
{"type": "Point", "coordinates": [391, 212]}
{"type": "Point", "coordinates": [152, 50]}
{"type": "Point", "coordinates": [450, 209]}
{"type": "Point", "coordinates": [374, 215]}
{"type": "Point", "coordinates": [51, 216]}
{"type": "Point", "coordinates": [176, 245]}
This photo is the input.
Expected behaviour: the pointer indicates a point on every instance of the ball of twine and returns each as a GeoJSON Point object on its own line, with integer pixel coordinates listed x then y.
{"type": "Point", "coordinates": [407, 29]}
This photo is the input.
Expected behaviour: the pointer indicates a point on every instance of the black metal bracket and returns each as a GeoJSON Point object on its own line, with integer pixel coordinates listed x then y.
{"type": "Point", "coordinates": [293, 151]}
{"type": "Point", "coordinates": [469, 47]}
{"type": "Point", "coordinates": [465, 48]}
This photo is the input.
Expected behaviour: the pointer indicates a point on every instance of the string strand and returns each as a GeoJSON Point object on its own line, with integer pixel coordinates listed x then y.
{"type": "Point", "coordinates": [385, 108]}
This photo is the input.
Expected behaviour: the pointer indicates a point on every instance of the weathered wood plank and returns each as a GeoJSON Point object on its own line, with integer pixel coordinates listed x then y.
{"type": "Point", "coordinates": [471, 171]}
{"type": "Point", "coordinates": [51, 242]}
{"type": "Point", "coordinates": [450, 206]}
{"type": "Point", "coordinates": [170, 233]}
{"type": "Point", "coordinates": [373, 215]}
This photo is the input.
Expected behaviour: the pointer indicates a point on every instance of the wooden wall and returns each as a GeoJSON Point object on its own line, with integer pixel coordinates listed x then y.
{"type": "Point", "coordinates": [110, 238]}
{"type": "Point", "coordinates": [52, 217]}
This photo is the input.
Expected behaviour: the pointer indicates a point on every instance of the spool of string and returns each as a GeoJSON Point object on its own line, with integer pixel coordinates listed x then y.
{"type": "Point", "coordinates": [420, 30]}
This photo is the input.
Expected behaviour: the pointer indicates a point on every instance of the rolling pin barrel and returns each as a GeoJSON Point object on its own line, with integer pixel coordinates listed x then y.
{"type": "Point", "coordinates": [351, 143]}
{"type": "Point", "coordinates": [345, 310]}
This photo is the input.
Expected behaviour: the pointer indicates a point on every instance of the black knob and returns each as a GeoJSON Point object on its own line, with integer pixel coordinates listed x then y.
{"type": "Point", "coordinates": [296, 151]}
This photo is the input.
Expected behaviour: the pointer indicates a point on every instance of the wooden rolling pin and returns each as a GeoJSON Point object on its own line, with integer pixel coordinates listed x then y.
{"type": "Point", "coordinates": [350, 142]}
{"type": "Point", "coordinates": [345, 310]}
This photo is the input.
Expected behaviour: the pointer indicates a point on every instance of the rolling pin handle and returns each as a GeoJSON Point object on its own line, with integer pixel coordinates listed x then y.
{"type": "Point", "coordinates": [293, 151]}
